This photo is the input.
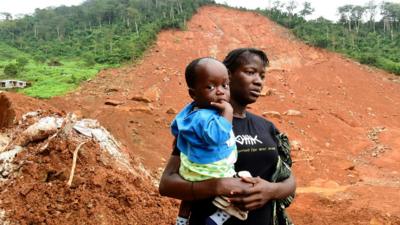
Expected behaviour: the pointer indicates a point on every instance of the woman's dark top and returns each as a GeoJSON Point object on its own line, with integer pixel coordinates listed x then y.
{"type": "Point", "coordinates": [257, 148]}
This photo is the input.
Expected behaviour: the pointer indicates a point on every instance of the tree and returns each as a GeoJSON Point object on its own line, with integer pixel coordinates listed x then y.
{"type": "Point", "coordinates": [370, 9]}
{"type": "Point", "coordinates": [391, 16]}
{"type": "Point", "coordinates": [356, 15]}
{"type": "Point", "coordinates": [307, 9]}
{"type": "Point", "coordinates": [11, 70]}
{"type": "Point", "coordinates": [291, 6]}
{"type": "Point", "coordinates": [7, 16]}
{"type": "Point", "coordinates": [22, 62]}
{"type": "Point", "coordinates": [345, 14]}
{"type": "Point", "coordinates": [277, 6]}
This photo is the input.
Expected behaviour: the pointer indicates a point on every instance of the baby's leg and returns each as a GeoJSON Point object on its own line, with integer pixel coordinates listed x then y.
{"type": "Point", "coordinates": [218, 218]}
{"type": "Point", "coordinates": [184, 213]}
{"type": "Point", "coordinates": [225, 208]}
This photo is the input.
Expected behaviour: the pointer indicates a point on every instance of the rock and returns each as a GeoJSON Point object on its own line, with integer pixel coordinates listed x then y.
{"type": "Point", "coordinates": [295, 145]}
{"type": "Point", "coordinates": [292, 112]}
{"type": "Point", "coordinates": [272, 114]}
{"type": "Point", "coordinates": [327, 144]}
{"type": "Point", "coordinates": [4, 140]}
{"type": "Point", "coordinates": [172, 111]}
{"type": "Point", "coordinates": [26, 191]}
{"type": "Point", "coordinates": [352, 167]}
{"type": "Point", "coordinates": [267, 92]}
{"type": "Point", "coordinates": [144, 109]}
{"type": "Point", "coordinates": [108, 90]}
{"type": "Point", "coordinates": [42, 129]}
{"type": "Point", "coordinates": [9, 155]}
{"type": "Point", "coordinates": [113, 102]}
{"type": "Point", "coordinates": [153, 94]}
{"type": "Point", "coordinates": [139, 98]}
{"type": "Point", "coordinates": [29, 115]}
{"type": "Point", "coordinates": [375, 221]}
{"type": "Point", "coordinates": [150, 95]}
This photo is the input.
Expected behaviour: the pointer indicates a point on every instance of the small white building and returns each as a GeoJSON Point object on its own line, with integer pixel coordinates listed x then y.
{"type": "Point", "coordinates": [7, 84]}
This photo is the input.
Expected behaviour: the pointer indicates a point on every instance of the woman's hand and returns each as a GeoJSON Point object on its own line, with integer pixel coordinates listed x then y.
{"type": "Point", "coordinates": [173, 185]}
{"type": "Point", "coordinates": [260, 192]}
{"type": "Point", "coordinates": [232, 186]}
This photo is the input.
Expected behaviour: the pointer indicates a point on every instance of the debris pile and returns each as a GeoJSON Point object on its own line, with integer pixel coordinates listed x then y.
{"type": "Point", "coordinates": [60, 169]}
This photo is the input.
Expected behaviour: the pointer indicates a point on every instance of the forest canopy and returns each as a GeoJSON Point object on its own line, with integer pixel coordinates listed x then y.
{"type": "Point", "coordinates": [55, 49]}
{"type": "Point", "coordinates": [102, 31]}
{"type": "Point", "coordinates": [358, 34]}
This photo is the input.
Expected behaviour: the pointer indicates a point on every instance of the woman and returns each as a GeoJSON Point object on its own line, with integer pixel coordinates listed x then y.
{"type": "Point", "coordinates": [257, 147]}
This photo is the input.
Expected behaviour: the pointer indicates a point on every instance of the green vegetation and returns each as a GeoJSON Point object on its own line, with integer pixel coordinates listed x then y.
{"type": "Point", "coordinates": [370, 42]}
{"type": "Point", "coordinates": [46, 80]}
{"type": "Point", "coordinates": [57, 80]}
{"type": "Point", "coordinates": [11, 70]}
{"type": "Point", "coordinates": [57, 48]}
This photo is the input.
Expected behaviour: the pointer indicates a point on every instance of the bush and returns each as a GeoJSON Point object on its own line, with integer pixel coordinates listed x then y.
{"type": "Point", "coordinates": [73, 80]}
{"type": "Point", "coordinates": [321, 42]}
{"type": "Point", "coordinates": [39, 58]}
{"type": "Point", "coordinates": [389, 65]}
{"type": "Point", "coordinates": [367, 58]}
{"type": "Point", "coordinates": [11, 70]}
{"type": "Point", "coordinates": [54, 62]}
{"type": "Point", "coordinates": [89, 59]}
{"type": "Point", "coordinates": [22, 62]}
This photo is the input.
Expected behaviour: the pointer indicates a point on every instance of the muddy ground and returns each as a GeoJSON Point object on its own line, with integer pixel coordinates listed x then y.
{"type": "Point", "coordinates": [343, 118]}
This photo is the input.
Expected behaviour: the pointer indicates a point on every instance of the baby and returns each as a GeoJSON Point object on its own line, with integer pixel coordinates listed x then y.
{"type": "Point", "coordinates": [203, 132]}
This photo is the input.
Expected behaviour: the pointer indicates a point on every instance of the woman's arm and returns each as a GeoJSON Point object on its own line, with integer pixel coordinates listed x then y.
{"type": "Point", "coordinates": [264, 191]}
{"type": "Point", "coordinates": [173, 185]}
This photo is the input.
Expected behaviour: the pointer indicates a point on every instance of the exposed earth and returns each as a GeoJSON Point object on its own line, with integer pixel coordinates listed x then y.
{"type": "Point", "coordinates": [343, 119]}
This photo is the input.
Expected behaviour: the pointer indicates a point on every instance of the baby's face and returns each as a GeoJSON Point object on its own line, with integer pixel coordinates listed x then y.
{"type": "Point", "coordinates": [212, 84]}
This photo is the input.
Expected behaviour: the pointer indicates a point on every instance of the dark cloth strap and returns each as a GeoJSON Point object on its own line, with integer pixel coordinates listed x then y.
{"type": "Point", "coordinates": [282, 172]}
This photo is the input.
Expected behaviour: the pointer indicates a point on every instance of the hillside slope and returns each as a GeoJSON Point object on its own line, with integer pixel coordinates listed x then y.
{"type": "Point", "coordinates": [346, 155]}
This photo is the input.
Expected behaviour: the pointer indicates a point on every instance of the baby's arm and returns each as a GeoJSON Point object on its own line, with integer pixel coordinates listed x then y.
{"type": "Point", "coordinates": [225, 108]}
{"type": "Point", "coordinates": [217, 129]}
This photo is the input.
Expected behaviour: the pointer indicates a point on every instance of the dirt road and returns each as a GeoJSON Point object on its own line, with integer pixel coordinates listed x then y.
{"type": "Point", "coordinates": [343, 118]}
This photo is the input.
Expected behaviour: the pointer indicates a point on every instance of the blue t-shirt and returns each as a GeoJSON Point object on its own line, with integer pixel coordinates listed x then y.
{"type": "Point", "coordinates": [202, 134]}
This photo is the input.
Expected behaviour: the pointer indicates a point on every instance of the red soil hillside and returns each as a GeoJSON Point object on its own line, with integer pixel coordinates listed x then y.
{"type": "Point", "coordinates": [346, 137]}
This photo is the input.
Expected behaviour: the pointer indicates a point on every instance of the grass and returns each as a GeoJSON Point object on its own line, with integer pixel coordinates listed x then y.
{"type": "Point", "coordinates": [48, 81]}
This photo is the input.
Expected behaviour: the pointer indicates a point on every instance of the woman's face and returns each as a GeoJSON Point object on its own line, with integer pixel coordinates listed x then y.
{"type": "Point", "coordinates": [246, 82]}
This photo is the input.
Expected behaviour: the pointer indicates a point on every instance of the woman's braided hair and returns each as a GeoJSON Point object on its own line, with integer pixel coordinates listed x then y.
{"type": "Point", "coordinates": [234, 59]}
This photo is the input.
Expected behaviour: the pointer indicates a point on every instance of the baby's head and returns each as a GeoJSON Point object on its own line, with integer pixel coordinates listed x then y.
{"type": "Point", "coordinates": [208, 81]}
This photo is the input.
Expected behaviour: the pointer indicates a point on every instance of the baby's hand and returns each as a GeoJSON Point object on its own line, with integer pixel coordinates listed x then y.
{"type": "Point", "coordinates": [225, 109]}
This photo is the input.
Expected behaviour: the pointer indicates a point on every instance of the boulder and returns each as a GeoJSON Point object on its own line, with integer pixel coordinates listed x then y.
{"type": "Point", "coordinates": [153, 94]}
{"type": "Point", "coordinates": [292, 112]}
{"type": "Point", "coordinates": [144, 109]}
{"type": "Point", "coordinates": [113, 102]}
{"type": "Point", "coordinates": [150, 95]}
{"type": "Point", "coordinates": [140, 98]}
{"type": "Point", "coordinates": [271, 114]}
{"type": "Point", "coordinates": [172, 111]}
{"type": "Point", "coordinates": [295, 145]}
{"type": "Point", "coordinates": [267, 92]}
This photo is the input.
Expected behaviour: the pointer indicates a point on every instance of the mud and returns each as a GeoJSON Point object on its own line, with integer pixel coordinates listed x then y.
{"type": "Point", "coordinates": [346, 156]}
{"type": "Point", "coordinates": [35, 190]}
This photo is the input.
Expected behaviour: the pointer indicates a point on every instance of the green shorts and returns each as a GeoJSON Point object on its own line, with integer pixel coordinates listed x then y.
{"type": "Point", "coordinates": [197, 172]}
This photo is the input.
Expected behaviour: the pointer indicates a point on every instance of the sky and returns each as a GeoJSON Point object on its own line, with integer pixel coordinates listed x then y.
{"type": "Point", "coordinates": [16, 7]}
{"type": "Point", "coordinates": [325, 8]}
